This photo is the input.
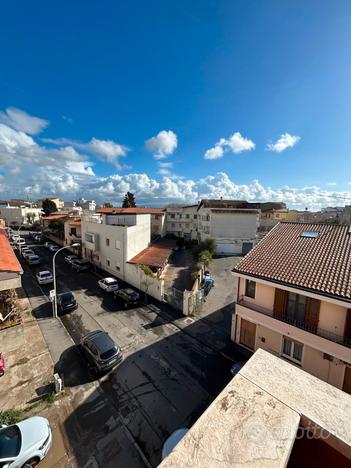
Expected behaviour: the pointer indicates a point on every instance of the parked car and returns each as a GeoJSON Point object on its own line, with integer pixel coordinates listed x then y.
{"type": "Point", "coordinates": [38, 238]}
{"type": "Point", "coordinates": [26, 249]}
{"type": "Point", "coordinates": [47, 244]}
{"type": "Point", "coordinates": [54, 248]}
{"type": "Point", "coordinates": [44, 277]}
{"type": "Point", "coordinates": [172, 441]}
{"type": "Point", "coordinates": [108, 284]}
{"type": "Point", "coordinates": [27, 252]}
{"type": "Point", "coordinates": [70, 258]}
{"type": "Point", "coordinates": [33, 260]}
{"type": "Point", "coordinates": [26, 443]}
{"type": "Point", "coordinates": [128, 296]}
{"type": "Point", "coordinates": [66, 302]}
{"type": "Point", "coordinates": [236, 367]}
{"type": "Point", "coordinates": [101, 351]}
{"type": "Point", "coordinates": [80, 265]}
{"type": "Point", "coordinates": [20, 241]}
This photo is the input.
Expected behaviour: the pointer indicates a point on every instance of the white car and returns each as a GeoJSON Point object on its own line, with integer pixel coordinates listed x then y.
{"type": "Point", "coordinates": [27, 252]}
{"type": "Point", "coordinates": [25, 444]}
{"type": "Point", "coordinates": [20, 241]}
{"type": "Point", "coordinates": [47, 244]}
{"type": "Point", "coordinates": [44, 277]}
{"type": "Point", "coordinates": [54, 248]}
{"type": "Point", "coordinates": [108, 284]}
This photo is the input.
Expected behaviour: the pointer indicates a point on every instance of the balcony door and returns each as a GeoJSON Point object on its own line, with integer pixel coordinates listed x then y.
{"type": "Point", "coordinates": [247, 333]}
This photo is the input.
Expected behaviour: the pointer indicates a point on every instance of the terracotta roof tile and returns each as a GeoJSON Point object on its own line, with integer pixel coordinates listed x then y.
{"type": "Point", "coordinates": [75, 222]}
{"type": "Point", "coordinates": [8, 259]}
{"type": "Point", "coordinates": [322, 264]}
{"type": "Point", "coordinates": [55, 216]}
{"type": "Point", "coordinates": [156, 255]}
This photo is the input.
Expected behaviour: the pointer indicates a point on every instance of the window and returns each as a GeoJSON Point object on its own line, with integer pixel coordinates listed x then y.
{"type": "Point", "coordinates": [73, 232]}
{"type": "Point", "coordinates": [107, 242]}
{"type": "Point", "coordinates": [292, 350]}
{"type": "Point", "coordinates": [89, 237]}
{"type": "Point", "coordinates": [172, 225]}
{"type": "Point", "coordinates": [195, 216]}
{"type": "Point", "coordinates": [157, 217]}
{"type": "Point", "coordinates": [187, 216]}
{"type": "Point", "coordinates": [118, 268]}
{"type": "Point", "coordinates": [207, 217]}
{"type": "Point", "coordinates": [310, 234]}
{"type": "Point", "coordinates": [250, 289]}
{"type": "Point", "coordinates": [172, 216]}
{"type": "Point", "coordinates": [118, 244]}
{"type": "Point", "coordinates": [108, 262]}
{"type": "Point", "coordinates": [296, 307]}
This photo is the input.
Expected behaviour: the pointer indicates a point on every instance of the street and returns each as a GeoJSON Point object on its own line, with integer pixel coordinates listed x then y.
{"type": "Point", "coordinates": [166, 381]}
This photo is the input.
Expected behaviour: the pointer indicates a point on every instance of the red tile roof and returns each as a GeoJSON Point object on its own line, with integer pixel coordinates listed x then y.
{"type": "Point", "coordinates": [55, 216]}
{"type": "Point", "coordinates": [118, 210]}
{"type": "Point", "coordinates": [321, 264]}
{"type": "Point", "coordinates": [75, 222]}
{"type": "Point", "coordinates": [156, 255]}
{"type": "Point", "coordinates": [8, 259]}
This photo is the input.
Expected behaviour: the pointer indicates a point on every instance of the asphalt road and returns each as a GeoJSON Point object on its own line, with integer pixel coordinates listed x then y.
{"type": "Point", "coordinates": [167, 378]}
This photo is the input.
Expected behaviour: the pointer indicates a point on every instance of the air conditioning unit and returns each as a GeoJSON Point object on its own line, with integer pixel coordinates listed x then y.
{"type": "Point", "coordinates": [328, 357]}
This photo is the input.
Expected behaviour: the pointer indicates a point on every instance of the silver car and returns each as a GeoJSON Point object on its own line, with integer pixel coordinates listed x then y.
{"type": "Point", "coordinates": [25, 444]}
{"type": "Point", "coordinates": [44, 277]}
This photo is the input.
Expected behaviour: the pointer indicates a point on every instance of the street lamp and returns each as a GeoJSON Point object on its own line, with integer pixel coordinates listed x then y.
{"type": "Point", "coordinates": [54, 273]}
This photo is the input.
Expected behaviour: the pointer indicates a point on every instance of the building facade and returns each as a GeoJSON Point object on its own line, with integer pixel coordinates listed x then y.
{"type": "Point", "coordinates": [110, 241]}
{"type": "Point", "coordinates": [73, 232]}
{"type": "Point", "coordinates": [294, 299]}
{"type": "Point", "coordinates": [19, 215]}
{"type": "Point", "coordinates": [182, 221]}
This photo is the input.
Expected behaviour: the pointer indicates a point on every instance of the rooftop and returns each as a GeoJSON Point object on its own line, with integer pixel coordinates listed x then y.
{"type": "Point", "coordinates": [74, 222]}
{"type": "Point", "coordinates": [271, 413]}
{"type": "Point", "coordinates": [117, 210]}
{"type": "Point", "coordinates": [156, 255]}
{"type": "Point", "coordinates": [288, 256]}
{"type": "Point", "coordinates": [8, 259]}
{"type": "Point", "coordinates": [54, 216]}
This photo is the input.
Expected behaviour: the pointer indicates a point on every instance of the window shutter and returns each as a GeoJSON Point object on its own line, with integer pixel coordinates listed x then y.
{"type": "Point", "coordinates": [280, 302]}
{"type": "Point", "coordinates": [347, 329]}
{"type": "Point", "coordinates": [312, 313]}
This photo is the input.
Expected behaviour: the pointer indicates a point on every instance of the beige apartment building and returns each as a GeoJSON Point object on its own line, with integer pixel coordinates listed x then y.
{"type": "Point", "coordinates": [294, 299]}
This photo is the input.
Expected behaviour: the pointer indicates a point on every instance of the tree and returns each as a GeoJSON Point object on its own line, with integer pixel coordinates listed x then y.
{"type": "Point", "coordinates": [107, 205]}
{"type": "Point", "coordinates": [48, 206]}
{"type": "Point", "coordinates": [30, 217]}
{"type": "Point", "coordinates": [129, 200]}
{"type": "Point", "coordinates": [205, 258]}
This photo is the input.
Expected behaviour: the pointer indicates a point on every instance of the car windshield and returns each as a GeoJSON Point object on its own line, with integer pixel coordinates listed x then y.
{"type": "Point", "coordinates": [45, 275]}
{"type": "Point", "coordinates": [132, 294]}
{"type": "Point", "coordinates": [108, 354]}
{"type": "Point", "coordinates": [111, 282]}
{"type": "Point", "coordinates": [67, 298]}
{"type": "Point", "coordinates": [10, 442]}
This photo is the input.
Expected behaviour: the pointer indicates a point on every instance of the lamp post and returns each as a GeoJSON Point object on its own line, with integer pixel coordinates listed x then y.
{"type": "Point", "coordinates": [54, 274]}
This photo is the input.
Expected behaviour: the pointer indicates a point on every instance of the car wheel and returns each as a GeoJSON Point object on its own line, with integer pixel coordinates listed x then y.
{"type": "Point", "coordinates": [31, 463]}
{"type": "Point", "coordinates": [2, 373]}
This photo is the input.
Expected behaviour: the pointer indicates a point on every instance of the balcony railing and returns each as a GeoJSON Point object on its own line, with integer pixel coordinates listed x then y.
{"type": "Point", "coordinates": [296, 323]}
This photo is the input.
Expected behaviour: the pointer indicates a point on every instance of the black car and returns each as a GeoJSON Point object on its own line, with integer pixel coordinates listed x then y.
{"type": "Point", "coordinates": [66, 302]}
{"type": "Point", "coordinates": [80, 264]}
{"type": "Point", "coordinates": [101, 351]}
{"type": "Point", "coordinates": [128, 296]}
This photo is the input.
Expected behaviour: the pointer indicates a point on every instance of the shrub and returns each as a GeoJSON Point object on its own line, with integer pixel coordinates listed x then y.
{"type": "Point", "coordinates": [11, 416]}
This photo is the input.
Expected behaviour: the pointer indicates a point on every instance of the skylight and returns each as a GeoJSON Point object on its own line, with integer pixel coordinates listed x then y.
{"type": "Point", "coordinates": [310, 234]}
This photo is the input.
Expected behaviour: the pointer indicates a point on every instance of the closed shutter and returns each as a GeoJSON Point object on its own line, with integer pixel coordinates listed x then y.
{"type": "Point", "coordinates": [312, 313]}
{"type": "Point", "coordinates": [280, 302]}
{"type": "Point", "coordinates": [347, 329]}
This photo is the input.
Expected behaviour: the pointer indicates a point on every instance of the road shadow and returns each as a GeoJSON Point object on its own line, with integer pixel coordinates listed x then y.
{"type": "Point", "coordinates": [73, 368]}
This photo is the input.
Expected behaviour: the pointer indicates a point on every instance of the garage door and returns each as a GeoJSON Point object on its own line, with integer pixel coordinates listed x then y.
{"type": "Point", "coordinates": [225, 249]}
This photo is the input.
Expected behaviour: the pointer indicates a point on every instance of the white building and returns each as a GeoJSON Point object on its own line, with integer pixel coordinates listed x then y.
{"type": "Point", "coordinates": [18, 215]}
{"type": "Point", "coordinates": [232, 224]}
{"type": "Point", "coordinates": [110, 241]}
{"type": "Point", "coordinates": [88, 205]}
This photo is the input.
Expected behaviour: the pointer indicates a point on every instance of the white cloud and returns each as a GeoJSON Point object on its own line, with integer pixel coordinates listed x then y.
{"type": "Point", "coordinates": [165, 164]}
{"type": "Point", "coordinates": [165, 172]}
{"type": "Point", "coordinates": [106, 150]}
{"type": "Point", "coordinates": [80, 167]}
{"type": "Point", "coordinates": [163, 144]}
{"type": "Point", "coordinates": [21, 121]}
{"type": "Point", "coordinates": [284, 142]}
{"type": "Point", "coordinates": [236, 143]}
{"type": "Point", "coordinates": [331, 184]}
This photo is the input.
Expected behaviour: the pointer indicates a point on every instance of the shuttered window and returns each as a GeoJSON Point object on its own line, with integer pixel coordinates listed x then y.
{"type": "Point", "coordinates": [280, 302]}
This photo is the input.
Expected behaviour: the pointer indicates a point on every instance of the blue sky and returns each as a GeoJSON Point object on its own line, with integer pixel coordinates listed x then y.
{"type": "Point", "coordinates": [176, 100]}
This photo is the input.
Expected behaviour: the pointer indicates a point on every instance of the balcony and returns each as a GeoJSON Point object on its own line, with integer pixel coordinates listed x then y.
{"type": "Point", "coordinates": [324, 340]}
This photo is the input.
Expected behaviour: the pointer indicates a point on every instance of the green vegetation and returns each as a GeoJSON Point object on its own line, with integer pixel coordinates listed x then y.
{"type": "Point", "coordinates": [50, 397]}
{"type": "Point", "coordinates": [11, 416]}
{"type": "Point", "coordinates": [129, 200]}
{"type": "Point", "coordinates": [203, 253]}
{"type": "Point", "coordinates": [48, 206]}
{"type": "Point", "coordinates": [107, 205]}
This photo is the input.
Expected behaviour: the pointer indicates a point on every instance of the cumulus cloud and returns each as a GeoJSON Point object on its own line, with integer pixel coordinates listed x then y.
{"type": "Point", "coordinates": [163, 144]}
{"type": "Point", "coordinates": [236, 143]}
{"type": "Point", "coordinates": [23, 122]}
{"type": "Point", "coordinates": [284, 142]}
{"type": "Point", "coordinates": [80, 167]}
{"type": "Point", "coordinates": [106, 150]}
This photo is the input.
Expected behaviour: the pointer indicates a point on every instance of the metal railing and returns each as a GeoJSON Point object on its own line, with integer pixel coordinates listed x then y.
{"type": "Point", "coordinates": [340, 339]}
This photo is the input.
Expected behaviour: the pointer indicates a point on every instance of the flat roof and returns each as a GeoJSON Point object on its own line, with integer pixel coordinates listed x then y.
{"type": "Point", "coordinates": [255, 419]}
{"type": "Point", "coordinates": [117, 210]}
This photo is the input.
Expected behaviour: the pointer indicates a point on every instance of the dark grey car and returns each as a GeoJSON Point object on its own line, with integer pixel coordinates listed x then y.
{"type": "Point", "coordinates": [80, 265]}
{"type": "Point", "coordinates": [101, 351]}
